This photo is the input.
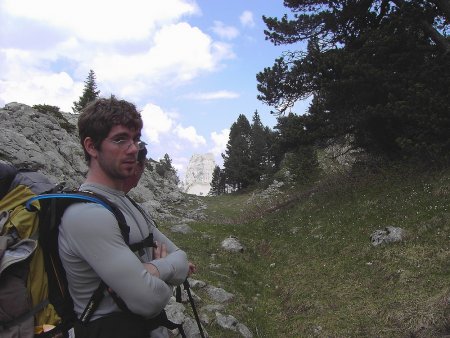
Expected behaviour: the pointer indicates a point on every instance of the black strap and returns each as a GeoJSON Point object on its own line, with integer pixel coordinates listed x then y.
{"type": "Point", "coordinates": [124, 228]}
{"type": "Point", "coordinates": [98, 295]}
{"type": "Point", "coordinates": [93, 303]}
{"type": "Point", "coordinates": [144, 214]}
{"type": "Point", "coordinates": [145, 243]}
{"type": "Point", "coordinates": [119, 301]}
{"type": "Point", "coordinates": [178, 294]}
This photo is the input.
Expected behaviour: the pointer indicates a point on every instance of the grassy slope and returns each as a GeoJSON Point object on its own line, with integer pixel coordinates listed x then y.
{"type": "Point", "coordinates": [310, 269]}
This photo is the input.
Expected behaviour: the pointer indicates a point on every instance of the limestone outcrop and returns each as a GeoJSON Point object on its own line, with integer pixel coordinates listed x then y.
{"type": "Point", "coordinates": [199, 174]}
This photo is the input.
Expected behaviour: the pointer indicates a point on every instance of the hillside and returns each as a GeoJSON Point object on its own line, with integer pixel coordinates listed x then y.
{"type": "Point", "coordinates": [309, 268]}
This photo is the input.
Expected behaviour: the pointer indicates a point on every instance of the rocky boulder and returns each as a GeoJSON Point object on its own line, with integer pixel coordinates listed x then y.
{"type": "Point", "coordinates": [48, 142]}
{"type": "Point", "coordinates": [199, 174]}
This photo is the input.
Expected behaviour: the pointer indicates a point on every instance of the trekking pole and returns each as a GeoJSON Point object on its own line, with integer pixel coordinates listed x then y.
{"type": "Point", "coordinates": [191, 300]}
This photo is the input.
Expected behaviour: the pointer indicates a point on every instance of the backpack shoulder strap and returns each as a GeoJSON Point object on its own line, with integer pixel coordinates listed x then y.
{"type": "Point", "coordinates": [60, 201]}
{"type": "Point", "coordinates": [147, 217]}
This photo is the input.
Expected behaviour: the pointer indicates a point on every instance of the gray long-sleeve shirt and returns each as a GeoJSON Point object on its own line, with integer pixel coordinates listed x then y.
{"type": "Point", "coordinates": [92, 248]}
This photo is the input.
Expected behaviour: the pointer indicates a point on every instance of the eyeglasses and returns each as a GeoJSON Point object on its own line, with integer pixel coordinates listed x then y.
{"type": "Point", "coordinates": [126, 143]}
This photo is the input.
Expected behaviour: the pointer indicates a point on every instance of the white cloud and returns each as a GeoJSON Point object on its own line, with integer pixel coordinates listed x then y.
{"type": "Point", "coordinates": [169, 61]}
{"type": "Point", "coordinates": [102, 20]}
{"type": "Point", "coordinates": [246, 19]}
{"type": "Point", "coordinates": [162, 132]}
{"type": "Point", "coordinates": [26, 80]}
{"type": "Point", "coordinates": [37, 87]}
{"type": "Point", "coordinates": [156, 122]}
{"type": "Point", "coordinates": [221, 94]}
{"type": "Point", "coordinates": [222, 51]}
{"type": "Point", "coordinates": [190, 134]}
{"type": "Point", "coordinates": [162, 55]}
{"type": "Point", "coordinates": [180, 164]}
{"type": "Point", "coordinates": [220, 141]}
{"type": "Point", "coordinates": [179, 167]}
{"type": "Point", "coordinates": [225, 32]}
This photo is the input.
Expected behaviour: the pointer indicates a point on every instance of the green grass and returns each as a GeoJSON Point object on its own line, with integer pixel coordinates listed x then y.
{"type": "Point", "coordinates": [309, 268]}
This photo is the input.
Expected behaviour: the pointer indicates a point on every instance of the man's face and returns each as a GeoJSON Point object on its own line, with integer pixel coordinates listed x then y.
{"type": "Point", "coordinates": [118, 152]}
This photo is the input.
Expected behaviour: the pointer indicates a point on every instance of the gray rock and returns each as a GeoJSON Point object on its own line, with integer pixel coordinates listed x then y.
{"type": "Point", "coordinates": [181, 228]}
{"type": "Point", "coordinates": [232, 244]}
{"type": "Point", "coordinates": [218, 294]}
{"type": "Point", "coordinates": [192, 330]}
{"type": "Point", "coordinates": [208, 310]}
{"type": "Point", "coordinates": [175, 311]}
{"type": "Point", "coordinates": [214, 265]}
{"type": "Point", "coordinates": [199, 174]}
{"type": "Point", "coordinates": [213, 308]}
{"type": "Point", "coordinates": [228, 322]}
{"type": "Point", "coordinates": [388, 235]}
{"type": "Point", "coordinates": [204, 318]}
{"type": "Point", "coordinates": [196, 284]}
{"type": "Point", "coordinates": [244, 331]}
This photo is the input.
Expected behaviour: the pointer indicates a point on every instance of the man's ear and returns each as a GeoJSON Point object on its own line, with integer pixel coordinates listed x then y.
{"type": "Point", "coordinates": [90, 147]}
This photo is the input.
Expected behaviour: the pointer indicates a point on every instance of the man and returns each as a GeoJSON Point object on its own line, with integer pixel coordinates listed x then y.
{"type": "Point", "coordinates": [91, 245]}
{"type": "Point", "coordinates": [132, 181]}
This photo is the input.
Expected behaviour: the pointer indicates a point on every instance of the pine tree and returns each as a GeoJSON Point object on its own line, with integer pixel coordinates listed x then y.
{"type": "Point", "coordinates": [258, 148]}
{"type": "Point", "coordinates": [90, 93]}
{"type": "Point", "coordinates": [164, 168]}
{"type": "Point", "coordinates": [273, 156]}
{"type": "Point", "coordinates": [237, 162]}
{"type": "Point", "coordinates": [217, 182]}
{"type": "Point", "coordinates": [376, 70]}
{"type": "Point", "coordinates": [164, 165]}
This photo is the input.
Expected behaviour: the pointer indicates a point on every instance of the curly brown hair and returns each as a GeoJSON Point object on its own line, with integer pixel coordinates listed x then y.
{"type": "Point", "coordinates": [100, 115]}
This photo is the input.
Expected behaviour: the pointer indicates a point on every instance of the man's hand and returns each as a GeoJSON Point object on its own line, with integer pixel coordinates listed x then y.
{"type": "Point", "coordinates": [192, 268]}
{"type": "Point", "coordinates": [160, 251]}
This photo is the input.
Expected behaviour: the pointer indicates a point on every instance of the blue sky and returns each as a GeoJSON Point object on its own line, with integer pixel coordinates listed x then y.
{"type": "Point", "coordinates": [189, 66]}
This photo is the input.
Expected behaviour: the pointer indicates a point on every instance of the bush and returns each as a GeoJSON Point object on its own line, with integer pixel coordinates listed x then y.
{"type": "Point", "coordinates": [302, 165]}
{"type": "Point", "coordinates": [56, 113]}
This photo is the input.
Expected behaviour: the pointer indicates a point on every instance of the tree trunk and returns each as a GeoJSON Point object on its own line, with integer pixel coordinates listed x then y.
{"type": "Point", "coordinates": [444, 6]}
{"type": "Point", "coordinates": [440, 40]}
{"type": "Point", "coordinates": [437, 37]}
